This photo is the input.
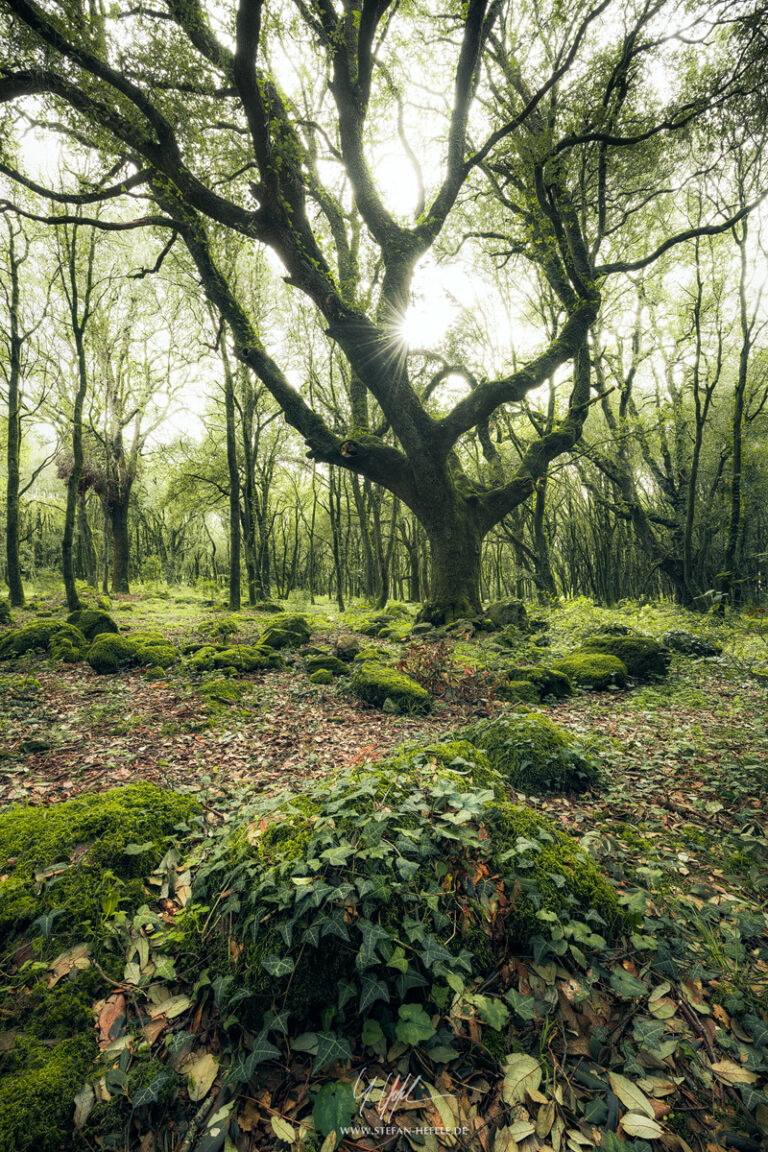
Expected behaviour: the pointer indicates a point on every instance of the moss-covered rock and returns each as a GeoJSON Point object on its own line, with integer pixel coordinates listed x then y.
{"type": "Point", "coordinates": [222, 690]}
{"type": "Point", "coordinates": [286, 631]}
{"type": "Point", "coordinates": [5, 613]}
{"type": "Point", "coordinates": [111, 653]}
{"type": "Point", "coordinates": [92, 622]}
{"type": "Point", "coordinates": [247, 658]}
{"type": "Point", "coordinates": [593, 670]}
{"type": "Point", "coordinates": [547, 681]}
{"type": "Point", "coordinates": [553, 874]}
{"type": "Point", "coordinates": [533, 754]}
{"type": "Point", "coordinates": [371, 623]}
{"type": "Point", "coordinates": [38, 1085]}
{"type": "Point", "coordinates": [103, 824]}
{"type": "Point", "coordinates": [157, 654]}
{"type": "Point", "coordinates": [504, 612]}
{"type": "Point", "coordinates": [374, 683]}
{"type": "Point", "coordinates": [518, 691]}
{"type": "Point", "coordinates": [642, 656]}
{"type": "Point", "coordinates": [321, 676]}
{"type": "Point", "coordinates": [325, 663]}
{"type": "Point", "coordinates": [41, 637]}
{"type": "Point", "coordinates": [689, 645]}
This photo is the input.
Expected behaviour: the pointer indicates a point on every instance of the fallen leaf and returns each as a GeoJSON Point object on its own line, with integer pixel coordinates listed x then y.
{"type": "Point", "coordinates": [521, 1074]}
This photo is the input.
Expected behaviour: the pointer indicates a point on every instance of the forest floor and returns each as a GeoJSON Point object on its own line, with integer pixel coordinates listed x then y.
{"type": "Point", "coordinates": [681, 820]}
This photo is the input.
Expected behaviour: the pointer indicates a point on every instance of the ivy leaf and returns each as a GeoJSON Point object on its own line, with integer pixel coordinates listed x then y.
{"type": "Point", "coordinates": [414, 1025]}
{"type": "Point", "coordinates": [522, 1074]}
{"type": "Point", "coordinates": [523, 1006]}
{"type": "Point", "coordinates": [627, 985]}
{"type": "Point", "coordinates": [278, 965]}
{"type": "Point", "coordinates": [492, 1011]}
{"type": "Point", "coordinates": [337, 856]}
{"type": "Point", "coordinates": [334, 1107]}
{"type": "Point", "coordinates": [330, 1047]}
{"type": "Point", "coordinates": [372, 1033]}
{"type": "Point", "coordinates": [373, 990]}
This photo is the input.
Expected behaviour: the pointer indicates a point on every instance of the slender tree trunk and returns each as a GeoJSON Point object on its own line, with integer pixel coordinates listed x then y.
{"type": "Point", "coordinates": [234, 485]}
{"type": "Point", "coordinates": [15, 584]}
{"type": "Point", "coordinates": [543, 568]}
{"type": "Point", "coordinates": [73, 480]}
{"type": "Point", "coordinates": [121, 544]}
{"type": "Point", "coordinates": [728, 584]}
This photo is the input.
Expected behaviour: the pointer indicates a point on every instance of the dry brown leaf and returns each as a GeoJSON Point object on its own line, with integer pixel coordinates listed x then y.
{"type": "Point", "coordinates": [111, 1018]}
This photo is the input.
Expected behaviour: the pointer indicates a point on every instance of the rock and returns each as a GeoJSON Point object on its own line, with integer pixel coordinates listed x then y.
{"type": "Point", "coordinates": [421, 629]}
{"type": "Point", "coordinates": [461, 625]}
{"type": "Point", "coordinates": [347, 647]}
{"type": "Point", "coordinates": [62, 641]}
{"type": "Point", "coordinates": [109, 653]}
{"type": "Point", "coordinates": [593, 670]}
{"type": "Point", "coordinates": [690, 645]}
{"type": "Point", "coordinates": [286, 631]}
{"type": "Point", "coordinates": [321, 676]}
{"type": "Point", "coordinates": [323, 663]}
{"type": "Point", "coordinates": [391, 707]}
{"type": "Point", "coordinates": [644, 658]}
{"type": "Point", "coordinates": [374, 683]}
{"type": "Point", "coordinates": [504, 612]}
{"type": "Point", "coordinates": [546, 681]}
{"type": "Point", "coordinates": [92, 622]}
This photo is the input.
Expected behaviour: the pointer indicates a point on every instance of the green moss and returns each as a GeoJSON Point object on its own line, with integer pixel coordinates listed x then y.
{"type": "Point", "coordinates": [157, 655]}
{"type": "Point", "coordinates": [521, 691]}
{"type": "Point", "coordinates": [109, 654]}
{"type": "Point", "coordinates": [103, 823]}
{"type": "Point", "coordinates": [593, 670]}
{"type": "Point", "coordinates": [642, 656]}
{"type": "Point", "coordinates": [324, 663]}
{"type": "Point", "coordinates": [39, 637]}
{"type": "Point", "coordinates": [92, 622]}
{"type": "Point", "coordinates": [222, 690]}
{"type": "Point", "coordinates": [5, 613]}
{"type": "Point", "coordinates": [37, 1091]}
{"type": "Point", "coordinates": [322, 676]}
{"type": "Point", "coordinates": [548, 681]}
{"type": "Point", "coordinates": [533, 754]}
{"type": "Point", "coordinates": [286, 631]}
{"type": "Point", "coordinates": [374, 683]}
{"type": "Point", "coordinates": [247, 658]}
{"type": "Point", "coordinates": [60, 1012]}
{"type": "Point", "coordinates": [558, 877]}
{"type": "Point", "coordinates": [464, 763]}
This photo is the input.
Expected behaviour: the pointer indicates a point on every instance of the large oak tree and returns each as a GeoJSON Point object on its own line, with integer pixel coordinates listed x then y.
{"type": "Point", "coordinates": [264, 119]}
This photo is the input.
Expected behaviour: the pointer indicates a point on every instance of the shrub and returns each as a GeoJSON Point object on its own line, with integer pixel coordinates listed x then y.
{"type": "Point", "coordinates": [92, 622]}
{"type": "Point", "coordinates": [593, 670]}
{"type": "Point", "coordinates": [109, 653]}
{"type": "Point", "coordinates": [40, 637]}
{"type": "Point", "coordinates": [642, 656]}
{"type": "Point", "coordinates": [533, 754]}
{"type": "Point", "coordinates": [375, 683]}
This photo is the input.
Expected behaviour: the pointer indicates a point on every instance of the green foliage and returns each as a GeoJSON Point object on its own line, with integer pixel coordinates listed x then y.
{"type": "Point", "coordinates": [533, 754]}
{"type": "Point", "coordinates": [678, 640]}
{"type": "Point", "coordinates": [458, 760]}
{"type": "Point", "coordinates": [92, 622]}
{"type": "Point", "coordinates": [20, 688]}
{"type": "Point", "coordinates": [375, 683]}
{"type": "Point", "coordinates": [74, 847]}
{"type": "Point", "coordinates": [37, 1089]}
{"type": "Point", "coordinates": [643, 657]}
{"type": "Point", "coordinates": [593, 670]}
{"type": "Point", "coordinates": [5, 613]}
{"type": "Point", "coordinates": [42, 636]}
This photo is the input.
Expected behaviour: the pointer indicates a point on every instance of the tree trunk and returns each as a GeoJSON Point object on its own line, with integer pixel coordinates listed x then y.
{"type": "Point", "coordinates": [121, 544]}
{"type": "Point", "coordinates": [545, 580]}
{"type": "Point", "coordinates": [234, 486]}
{"type": "Point", "coordinates": [455, 544]}
{"type": "Point", "coordinates": [15, 585]}
{"type": "Point", "coordinates": [73, 480]}
{"type": "Point", "coordinates": [90, 559]}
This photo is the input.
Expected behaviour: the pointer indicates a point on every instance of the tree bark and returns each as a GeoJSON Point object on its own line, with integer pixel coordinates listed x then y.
{"type": "Point", "coordinates": [15, 583]}
{"type": "Point", "coordinates": [234, 485]}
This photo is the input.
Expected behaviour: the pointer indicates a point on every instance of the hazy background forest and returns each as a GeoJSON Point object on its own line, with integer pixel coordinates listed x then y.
{"type": "Point", "coordinates": [384, 520]}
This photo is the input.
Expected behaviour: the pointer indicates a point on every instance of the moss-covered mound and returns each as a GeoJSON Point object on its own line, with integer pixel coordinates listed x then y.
{"type": "Point", "coordinates": [533, 754]}
{"type": "Point", "coordinates": [239, 658]}
{"type": "Point", "coordinates": [593, 670]}
{"type": "Point", "coordinates": [222, 690]}
{"type": "Point", "coordinates": [518, 692]}
{"type": "Point", "coordinates": [77, 849]}
{"type": "Point", "coordinates": [547, 681]}
{"type": "Point", "coordinates": [321, 676]}
{"type": "Point", "coordinates": [92, 622]}
{"type": "Point", "coordinates": [61, 641]}
{"type": "Point", "coordinates": [325, 663]}
{"type": "Point", "coordinates": [376, 683]}
{"type": "Point", "coordinates": [288, 631]}
{"type": "Point", "coordinates": [689, 645]}
{"type": "Point", "coordinates": [110, 653]}
{"type": "Point", "coordinates": [5, 613]}
{"type": "Point", "coordinates": [378, 892]}
{"type": "Point", "coordinates": [643, 657]}
{"type": "Point", "coordinates": [460, 761]}
{"type": "Point", "coordinates": [157, 654]}
{"type": "Point", "coordinates": [38, 1084]}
